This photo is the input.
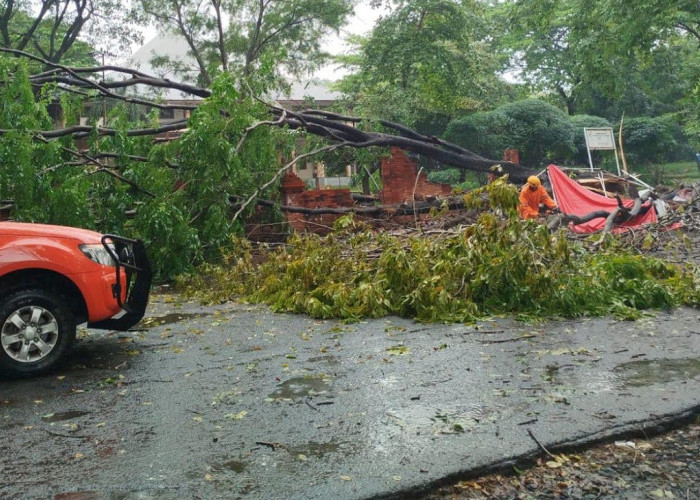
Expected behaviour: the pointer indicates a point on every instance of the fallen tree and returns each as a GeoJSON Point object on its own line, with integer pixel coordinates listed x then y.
{"type": "Point", "coordinates": [339, 129]}
{"type": "Point", "coordinates": [619, 215]}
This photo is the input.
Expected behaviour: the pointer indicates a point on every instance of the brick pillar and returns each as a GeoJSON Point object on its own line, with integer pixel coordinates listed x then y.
{"type": "Point", "coordinates": [399, 180]}
{"type": "Point", "coordinates": [512, 156]}
{"type": "Point", "coordinates": [292, 186]}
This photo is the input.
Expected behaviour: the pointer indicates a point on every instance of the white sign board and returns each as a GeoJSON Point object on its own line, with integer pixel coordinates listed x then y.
{"type": "Point", "coordinates": [599, 138]}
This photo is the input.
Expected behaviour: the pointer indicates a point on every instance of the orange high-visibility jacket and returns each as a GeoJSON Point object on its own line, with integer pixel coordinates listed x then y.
{"type": "Point", "coordinates": [530, 201]}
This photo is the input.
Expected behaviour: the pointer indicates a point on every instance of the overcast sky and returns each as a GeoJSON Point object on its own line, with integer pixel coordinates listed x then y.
{"type": "Point", "coordinates": [360, 24]}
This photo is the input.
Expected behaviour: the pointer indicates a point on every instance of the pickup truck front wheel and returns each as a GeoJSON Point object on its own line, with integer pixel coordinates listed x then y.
{"type": "Point", "coordinates": [36, 330]}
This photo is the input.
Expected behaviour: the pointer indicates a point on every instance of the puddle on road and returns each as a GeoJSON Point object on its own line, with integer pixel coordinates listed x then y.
{"type": "Point", "coordinates": [319, 450]}
{"type": "Point", "coordinates": [301, 387]}
{"type": "Point", "coordinates": [63, 416]}
{"type": "Point", "coordinates": [657, 371]}
{"type": "Point", "coordinates": [442, 421]}
{"type": "Point", "coordinates": [168, 319]}
{"type": "Point", "coordinates": [237, 466]}
{"type": "Point", "coordinates": [330, 359]}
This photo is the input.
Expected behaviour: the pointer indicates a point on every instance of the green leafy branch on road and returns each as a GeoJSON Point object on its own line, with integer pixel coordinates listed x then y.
{"type": "Point", "coordinates": [492, 267]}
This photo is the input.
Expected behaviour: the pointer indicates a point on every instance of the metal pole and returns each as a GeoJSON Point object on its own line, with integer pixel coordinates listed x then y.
{"type": "Point", "coordinates": [588, 149]}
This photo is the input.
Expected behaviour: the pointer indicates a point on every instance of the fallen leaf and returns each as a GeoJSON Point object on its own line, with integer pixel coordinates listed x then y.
{"type": "Point", "coordinates": [398, 350]}
{"type": "Point", "coordinates": [346, 478]}
{"type": "Point", "coordinates": [463, 485]}
{"type": "Point", "coordinates": [236, 416]}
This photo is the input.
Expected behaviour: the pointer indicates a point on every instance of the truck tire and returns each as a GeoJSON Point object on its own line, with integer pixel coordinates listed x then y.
{"type": "Point", "coordinates": [36, 331]}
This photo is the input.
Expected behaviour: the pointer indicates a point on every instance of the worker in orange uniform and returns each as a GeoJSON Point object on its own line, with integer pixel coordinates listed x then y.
{"type": "Point", "coordinates": [531, 195]}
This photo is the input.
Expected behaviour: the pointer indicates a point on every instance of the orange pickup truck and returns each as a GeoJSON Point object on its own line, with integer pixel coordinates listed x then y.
{"type": "Point", "coordinates": [53, 278]}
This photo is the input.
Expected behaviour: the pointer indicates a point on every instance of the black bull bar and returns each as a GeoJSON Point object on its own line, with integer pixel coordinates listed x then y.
{"type": "Point", "coordinates": [131, 259]}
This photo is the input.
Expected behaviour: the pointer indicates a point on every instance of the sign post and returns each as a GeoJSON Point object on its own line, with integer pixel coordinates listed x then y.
{"type": "Point", "coordinates": [600, 139]}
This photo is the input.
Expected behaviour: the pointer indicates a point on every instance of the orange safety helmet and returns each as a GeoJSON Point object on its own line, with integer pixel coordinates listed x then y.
{"type": "Point", "coordinates": [534, 181]}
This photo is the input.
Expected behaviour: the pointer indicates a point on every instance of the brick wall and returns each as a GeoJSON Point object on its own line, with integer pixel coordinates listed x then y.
{"type": "Point", "coordinates": [399, 180]}
{"type": "Point", "coordinates": [295, 193]}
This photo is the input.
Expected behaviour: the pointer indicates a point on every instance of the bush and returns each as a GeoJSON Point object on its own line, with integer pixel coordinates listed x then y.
{"type": "Point", "coordinates": [541, 132]}
{"type": "Point", "coordinates": [647, 140]}
{"type": "Point", "coordinates": [449, 176]}
{"type": "Point", "coordinates": [482, 133]}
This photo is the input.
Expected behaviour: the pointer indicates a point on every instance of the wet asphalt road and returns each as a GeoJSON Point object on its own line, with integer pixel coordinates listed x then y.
{"type": "Point", "coordinates": [235, 401]}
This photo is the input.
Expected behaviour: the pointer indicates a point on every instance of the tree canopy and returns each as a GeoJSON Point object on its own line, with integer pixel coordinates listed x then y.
{"type": "Point", "coordinates": [72, 31]}
{"type": "Point", "coordinates": [425, 60]}
{"type": "Point", "coordinates": [249, 37]}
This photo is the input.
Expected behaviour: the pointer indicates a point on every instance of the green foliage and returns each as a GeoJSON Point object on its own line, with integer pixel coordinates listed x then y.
{"type": "Point", "coordinates": [646, 140]}
{"type": "Point", "coordinates": [609, 57]}
{"type": "Point", "coordinates": [450, 176]}
{"type": "Point", "coordinates": [424, 62]}
{"type": "Point", "coordinates": [540, 131]}
{"type": "Point", "coordinates": [493, 267]}
{"type": "Point", "coordinates": [178, 200]}
{"type": "Point", "coordinates": [172, 242]}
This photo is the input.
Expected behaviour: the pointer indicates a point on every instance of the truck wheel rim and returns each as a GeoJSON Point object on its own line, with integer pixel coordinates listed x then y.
{"type": "Point", "coordinates": [29, 334]}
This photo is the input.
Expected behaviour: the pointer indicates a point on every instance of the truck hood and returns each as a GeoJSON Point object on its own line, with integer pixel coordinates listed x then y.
{"type": "Point", "coordinates": [30, 229]}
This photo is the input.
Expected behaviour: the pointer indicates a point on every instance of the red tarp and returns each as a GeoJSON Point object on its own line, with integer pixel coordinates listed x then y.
{"type": "Point", "coordinates": [574, 199]}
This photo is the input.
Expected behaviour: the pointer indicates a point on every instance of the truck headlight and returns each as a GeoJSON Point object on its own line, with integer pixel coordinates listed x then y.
{"type": "Point", "coordinates": [98, 253]}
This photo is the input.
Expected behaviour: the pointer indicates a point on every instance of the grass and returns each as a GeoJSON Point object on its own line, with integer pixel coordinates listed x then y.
{"type": "Point", "coordinates": [670, 174]}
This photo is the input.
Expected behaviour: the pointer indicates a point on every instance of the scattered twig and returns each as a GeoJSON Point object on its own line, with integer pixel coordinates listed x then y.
{"type": "Point", "coordinates": [502, 341]}
{"type": "Point", "coordinates": [66, 435]}
{"type": "Point", "coordinates": [527, 422]}
{"type": "Point", "coordinates": [272, 446]}
{"type": "Point", "coordinates": [532, 435]}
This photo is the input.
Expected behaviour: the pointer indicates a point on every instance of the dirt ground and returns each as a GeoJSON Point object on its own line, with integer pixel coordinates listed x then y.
{"type": "Point", "coordinates": [665, 466]}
